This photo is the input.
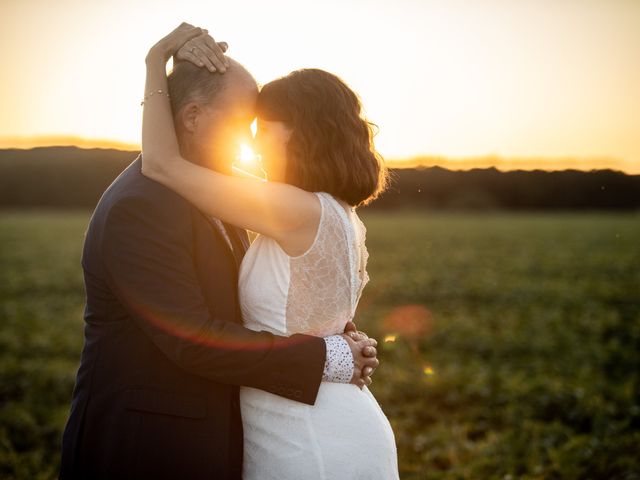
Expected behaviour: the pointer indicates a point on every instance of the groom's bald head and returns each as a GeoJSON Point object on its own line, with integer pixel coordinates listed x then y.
{"type": "Point", "coordinates": [212, 112]}
{"type": "Point", "coordinates": [189, 83]}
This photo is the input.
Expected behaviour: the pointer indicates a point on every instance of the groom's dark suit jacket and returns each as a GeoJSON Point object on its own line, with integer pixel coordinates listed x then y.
{"type": "Point", "coordinates": [156, 395]}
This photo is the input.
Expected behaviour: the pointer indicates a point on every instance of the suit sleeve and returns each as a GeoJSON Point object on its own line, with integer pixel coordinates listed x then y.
{"type": "Point", "coordinates": [148, 261]}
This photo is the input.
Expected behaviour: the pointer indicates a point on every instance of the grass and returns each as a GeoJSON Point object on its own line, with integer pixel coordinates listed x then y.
{"type": "Point", "coordinates": [513, 341]}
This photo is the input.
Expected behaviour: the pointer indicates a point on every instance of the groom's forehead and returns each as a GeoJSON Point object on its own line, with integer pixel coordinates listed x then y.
{"type": "Point", "coordinates": [238, 98]}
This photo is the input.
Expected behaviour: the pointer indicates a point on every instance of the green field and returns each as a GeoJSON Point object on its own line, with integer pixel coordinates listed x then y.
{"type": "Point", "coordinates": [516, 352]}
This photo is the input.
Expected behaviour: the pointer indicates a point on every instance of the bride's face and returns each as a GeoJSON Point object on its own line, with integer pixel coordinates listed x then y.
{"type": "Point", "coordinates": [271, 143]}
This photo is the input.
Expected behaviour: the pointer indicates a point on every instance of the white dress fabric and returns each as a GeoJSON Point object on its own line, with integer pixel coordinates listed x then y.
{"type": "Point", "coordinates": [345, 435]}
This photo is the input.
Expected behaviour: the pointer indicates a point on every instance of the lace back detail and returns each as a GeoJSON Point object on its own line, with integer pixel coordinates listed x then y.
{"type": "Point", "coordinates": [328, 279]}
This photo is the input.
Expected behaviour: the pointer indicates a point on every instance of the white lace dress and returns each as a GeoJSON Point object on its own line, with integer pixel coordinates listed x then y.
{"type": "Point", "coordinates": [345, 435]}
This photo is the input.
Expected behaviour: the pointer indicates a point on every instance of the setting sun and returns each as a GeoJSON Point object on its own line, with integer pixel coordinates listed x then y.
{"type": "Point", "coordinates": [247, 156]}
{"type": "Point", "coordinates": [248, 164]}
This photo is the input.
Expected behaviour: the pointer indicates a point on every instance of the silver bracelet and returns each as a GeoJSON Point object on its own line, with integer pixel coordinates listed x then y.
{"type": "Point", "coordinates": [151, 93]}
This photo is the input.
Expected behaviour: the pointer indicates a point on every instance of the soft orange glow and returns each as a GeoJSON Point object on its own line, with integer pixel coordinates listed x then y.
{"type": "Point", "coordinates": [410, 321]}
{"type": "Point", "coordinates": [175, 327]}
{"type": "Point", "coordinates": [520, 163]}
{"type": "Point", "coordinates": [524, 84]}
{"type": "Point", "coordinates": [428, 370]}
{"type": "Point", "coordinates": [390, 338]}
{"type": "Point", "coordinates": [65, 140]}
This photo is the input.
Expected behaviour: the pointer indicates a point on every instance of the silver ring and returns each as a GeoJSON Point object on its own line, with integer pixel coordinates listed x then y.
{"type": "Point", "coordinates": [192, 49]}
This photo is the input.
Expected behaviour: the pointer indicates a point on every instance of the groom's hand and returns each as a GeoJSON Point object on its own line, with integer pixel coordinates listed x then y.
{"type": "Point", "coordinates": [351, 330]}
{"type": "Point", "coordinates": [364, 353]}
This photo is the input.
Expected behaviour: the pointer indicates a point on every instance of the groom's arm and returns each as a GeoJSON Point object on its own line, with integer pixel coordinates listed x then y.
{"type": "Point", "coordinates": [148, 261]}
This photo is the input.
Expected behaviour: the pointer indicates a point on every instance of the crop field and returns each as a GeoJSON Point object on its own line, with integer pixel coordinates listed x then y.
{"type": "Point", "coordinates": [509, 342]}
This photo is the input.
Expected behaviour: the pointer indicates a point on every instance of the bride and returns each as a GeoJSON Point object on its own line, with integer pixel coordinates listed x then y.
{"type": "Point", "coordinates": [305, 271]}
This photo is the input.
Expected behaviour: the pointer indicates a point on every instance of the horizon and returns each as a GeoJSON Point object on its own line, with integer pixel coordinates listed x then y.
{"type": "Point", "coordinates": [503, 164]}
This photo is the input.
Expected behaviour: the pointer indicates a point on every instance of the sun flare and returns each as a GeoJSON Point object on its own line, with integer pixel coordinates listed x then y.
{"type": "Point", "coordinates": [247, 156]}
{"type": "Point", "coordinates": [248, 163]}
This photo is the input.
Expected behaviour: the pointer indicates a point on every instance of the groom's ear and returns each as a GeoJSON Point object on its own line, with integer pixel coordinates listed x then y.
{"type": "Point", "coordinates": [188, 117]}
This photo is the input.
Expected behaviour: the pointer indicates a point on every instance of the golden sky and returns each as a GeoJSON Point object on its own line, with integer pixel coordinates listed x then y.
{"type": "Point", "coordinates": [528, 79]}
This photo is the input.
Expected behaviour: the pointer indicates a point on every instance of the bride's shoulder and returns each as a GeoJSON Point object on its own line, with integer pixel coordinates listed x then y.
{"type": "Point", "coordinates": [335, 201]}
{"type": "Point", "coordinates": [338, 216]}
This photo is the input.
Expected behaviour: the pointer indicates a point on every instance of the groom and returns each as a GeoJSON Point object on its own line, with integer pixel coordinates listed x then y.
{"type": "Point", "coordinates": [156, 394]}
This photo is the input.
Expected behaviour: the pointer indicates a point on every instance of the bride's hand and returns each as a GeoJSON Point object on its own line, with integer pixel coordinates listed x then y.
{"type": "Point", "coordinates": [204, 51]}
{"type": "Point", "coordinates": [204, 48]}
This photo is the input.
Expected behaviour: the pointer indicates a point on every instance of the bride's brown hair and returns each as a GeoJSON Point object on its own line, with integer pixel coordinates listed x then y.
{"type": "Point", "coordinates": [331, 146]}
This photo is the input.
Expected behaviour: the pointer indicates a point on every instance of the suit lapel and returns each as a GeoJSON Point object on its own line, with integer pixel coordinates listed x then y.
{"type": "Point", "coordinates": [237, 239]}
{"type": "Point", "coordinates": [242, 234]}
{"type": "Point", "coordinates": [218, 225]}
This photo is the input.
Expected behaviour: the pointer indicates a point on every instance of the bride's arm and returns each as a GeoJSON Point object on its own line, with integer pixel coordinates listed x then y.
{"type": "Point", "coordinates": [278, 210]}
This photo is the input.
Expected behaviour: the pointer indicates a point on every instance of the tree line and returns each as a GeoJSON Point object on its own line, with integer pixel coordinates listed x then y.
{"type": "Point", "coordinates": [75, 178]}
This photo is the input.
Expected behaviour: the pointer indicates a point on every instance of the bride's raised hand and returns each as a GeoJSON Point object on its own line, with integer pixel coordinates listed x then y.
{"type": "Point", "coordinates": [204, 51]}
{"type": "Point", "coordinates": [171, 44]}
